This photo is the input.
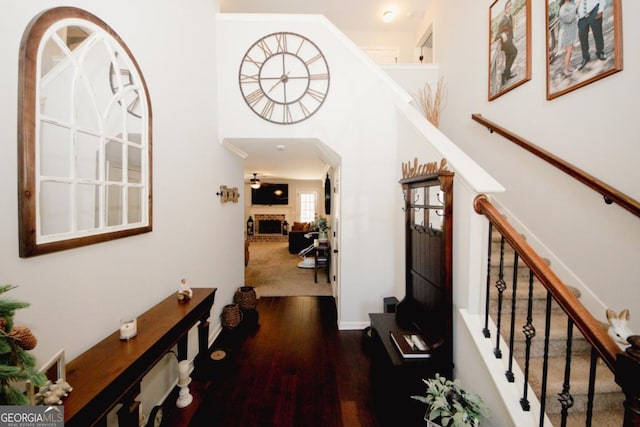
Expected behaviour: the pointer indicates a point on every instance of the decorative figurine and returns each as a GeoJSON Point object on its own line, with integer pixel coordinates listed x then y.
{"type": "Point", "coordinates": [618, 329]}
{"type": "Point", "coordinates": [53, 394]}
{"type": "Point", "coordinates": [184, 291]}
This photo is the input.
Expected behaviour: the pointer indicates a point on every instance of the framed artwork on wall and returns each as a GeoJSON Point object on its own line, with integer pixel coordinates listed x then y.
{"type": "Point", "coordinates": [584, 43]}
{"type": "Point", "coordinates": [509, 45]}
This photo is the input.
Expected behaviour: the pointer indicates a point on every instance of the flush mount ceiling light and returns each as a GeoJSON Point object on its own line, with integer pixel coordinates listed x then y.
{"type": "Point", "coordinates": [255, 182]}
{"type": "Point", "coordinates": [388, 15]}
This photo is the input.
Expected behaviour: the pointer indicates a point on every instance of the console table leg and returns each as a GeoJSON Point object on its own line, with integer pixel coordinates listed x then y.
{"type": "Point", "coordinates": [183, 346]}
{"type": "Point", "coordinates": [203, 337]}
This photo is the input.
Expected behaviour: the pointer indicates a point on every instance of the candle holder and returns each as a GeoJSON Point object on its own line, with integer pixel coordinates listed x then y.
{"type": "Point", "coordinates": [184, 395]}
{"type": "Point", "coordinates": [128, 328]}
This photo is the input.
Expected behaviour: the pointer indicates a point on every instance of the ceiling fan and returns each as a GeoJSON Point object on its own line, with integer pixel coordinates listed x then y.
{"type": "Point", "coordinates": [254, 182]}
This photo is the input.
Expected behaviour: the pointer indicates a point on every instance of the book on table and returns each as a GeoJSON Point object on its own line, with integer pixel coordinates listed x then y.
{"type": "Point", "coordinates": [411, 344]}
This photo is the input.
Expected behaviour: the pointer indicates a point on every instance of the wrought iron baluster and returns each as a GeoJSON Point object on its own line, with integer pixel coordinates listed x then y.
{"type": "Point", "coordinates": [545, 359]}
{"type": "Point", "coordinates": [529, 332]}
{"type": "Point", "coordinates": [565, 398]}
{"type": "Point", "coordinates": [592, 386]}
{"type": "Point", "coordinates": [512, 331]}
{"type": "Point", "coordinates": [501, 286]}
{"type": "Point", "coordinates": [485, 331]}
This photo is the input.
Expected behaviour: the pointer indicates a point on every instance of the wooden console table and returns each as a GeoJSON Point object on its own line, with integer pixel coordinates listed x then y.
{"type": "Point", "coordinates": [111, 371]}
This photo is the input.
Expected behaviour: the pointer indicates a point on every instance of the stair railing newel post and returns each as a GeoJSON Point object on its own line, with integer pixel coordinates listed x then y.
{"type": "Point", "coordinates": [628, 378]}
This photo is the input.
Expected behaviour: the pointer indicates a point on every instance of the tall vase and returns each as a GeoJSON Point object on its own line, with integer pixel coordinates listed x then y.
{"type": "Point", "coordinates": [322, 236]}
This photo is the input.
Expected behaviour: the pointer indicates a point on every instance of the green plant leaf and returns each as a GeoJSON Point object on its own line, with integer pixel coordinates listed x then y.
{"type": "Point", "coordinates": [451, 405]}
{"type": "Point", "coordinates": [12, 396]}
{"type": "Point", "coordinates": [8, 371]}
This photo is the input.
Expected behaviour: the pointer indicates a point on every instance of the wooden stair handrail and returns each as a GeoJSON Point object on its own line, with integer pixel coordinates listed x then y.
{"type": "Point", "coordinates": [591, 329]}
{"type": "Point", "coordinates": [609, 193]}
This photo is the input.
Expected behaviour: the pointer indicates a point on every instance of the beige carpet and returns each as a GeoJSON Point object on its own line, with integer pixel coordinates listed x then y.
{"type": "Point", "coordinates": [273, 271]}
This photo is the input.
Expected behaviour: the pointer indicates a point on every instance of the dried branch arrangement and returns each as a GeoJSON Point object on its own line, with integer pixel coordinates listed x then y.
{"type": "Point", "coordinates": [432, 103]}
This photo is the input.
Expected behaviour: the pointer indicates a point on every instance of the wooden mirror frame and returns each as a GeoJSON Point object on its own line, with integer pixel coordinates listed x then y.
{"type": "Point", "coordinates": [28, 138]}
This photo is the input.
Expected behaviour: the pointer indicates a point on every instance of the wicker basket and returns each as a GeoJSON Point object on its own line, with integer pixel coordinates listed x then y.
{"type": "Point", "coordinates": [246, 298]}
{"type": "Point", "coordinates": [231, 316]}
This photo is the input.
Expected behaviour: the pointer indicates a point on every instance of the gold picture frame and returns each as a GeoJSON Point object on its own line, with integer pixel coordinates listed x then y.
{"type": "Point", "coordinates": [509, 46]}
{"type": "Point", "coordinates": [584, 43]}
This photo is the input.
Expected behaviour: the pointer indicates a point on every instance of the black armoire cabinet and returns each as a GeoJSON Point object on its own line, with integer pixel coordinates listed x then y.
{"type": "Point", "coordinates": [426, 306]}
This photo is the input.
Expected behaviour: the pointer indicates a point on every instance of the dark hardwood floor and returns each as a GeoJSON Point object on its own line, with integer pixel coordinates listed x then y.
{"type": "Point", "coordinates": [289, 367]}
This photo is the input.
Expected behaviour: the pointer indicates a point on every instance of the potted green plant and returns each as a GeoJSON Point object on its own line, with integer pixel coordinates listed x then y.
{"type": "Point", "coordinates": [322, 225]}
{"type": "Point", "coordinates": [450, 405]}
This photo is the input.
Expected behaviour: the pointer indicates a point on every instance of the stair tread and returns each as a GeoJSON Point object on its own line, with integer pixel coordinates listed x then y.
{"type": "Point", "coordinates": [522, 288]}
{"type": "Point", "coordinates": [605, 381]}
{"type": "Point", "coordinates": [557, 327]}
{"type": "Point", "coordinates": [600, 419]}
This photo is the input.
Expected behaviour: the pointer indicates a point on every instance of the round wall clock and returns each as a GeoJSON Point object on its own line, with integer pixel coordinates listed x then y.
{"type": "Point", "coordinates": [284, 78]}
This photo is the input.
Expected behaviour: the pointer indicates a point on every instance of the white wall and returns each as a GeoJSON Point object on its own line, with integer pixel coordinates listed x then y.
{"type": "Point", "coordinates": [412, 77]}
{"type": "Point", "coordinates": [349, 124]}
{"type": "Point", "coordinates": [595, 127]}
{"type": "Point", "coordinates": [403, 41]}
{"type": "Point", "coordinates": [78, 296]}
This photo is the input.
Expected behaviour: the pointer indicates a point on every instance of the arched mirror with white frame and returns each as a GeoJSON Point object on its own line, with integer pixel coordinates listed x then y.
{"type": "Point", "coordinates": [84, 135]}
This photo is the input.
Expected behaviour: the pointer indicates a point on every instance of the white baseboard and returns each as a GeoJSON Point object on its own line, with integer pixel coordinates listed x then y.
{"type": "Point", "coordinates": [352, 326]}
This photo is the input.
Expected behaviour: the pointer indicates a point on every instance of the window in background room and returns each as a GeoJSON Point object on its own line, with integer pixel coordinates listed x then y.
{"type": "Point", "coordinates": [308, 206]}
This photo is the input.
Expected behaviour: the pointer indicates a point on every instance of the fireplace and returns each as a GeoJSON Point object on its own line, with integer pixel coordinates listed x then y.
{"type": "Point", "coordinates": [269, 228]}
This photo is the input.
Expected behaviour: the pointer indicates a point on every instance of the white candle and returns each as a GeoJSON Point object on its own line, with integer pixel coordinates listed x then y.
{"type": "Point", "coordinates": [128, 328]}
